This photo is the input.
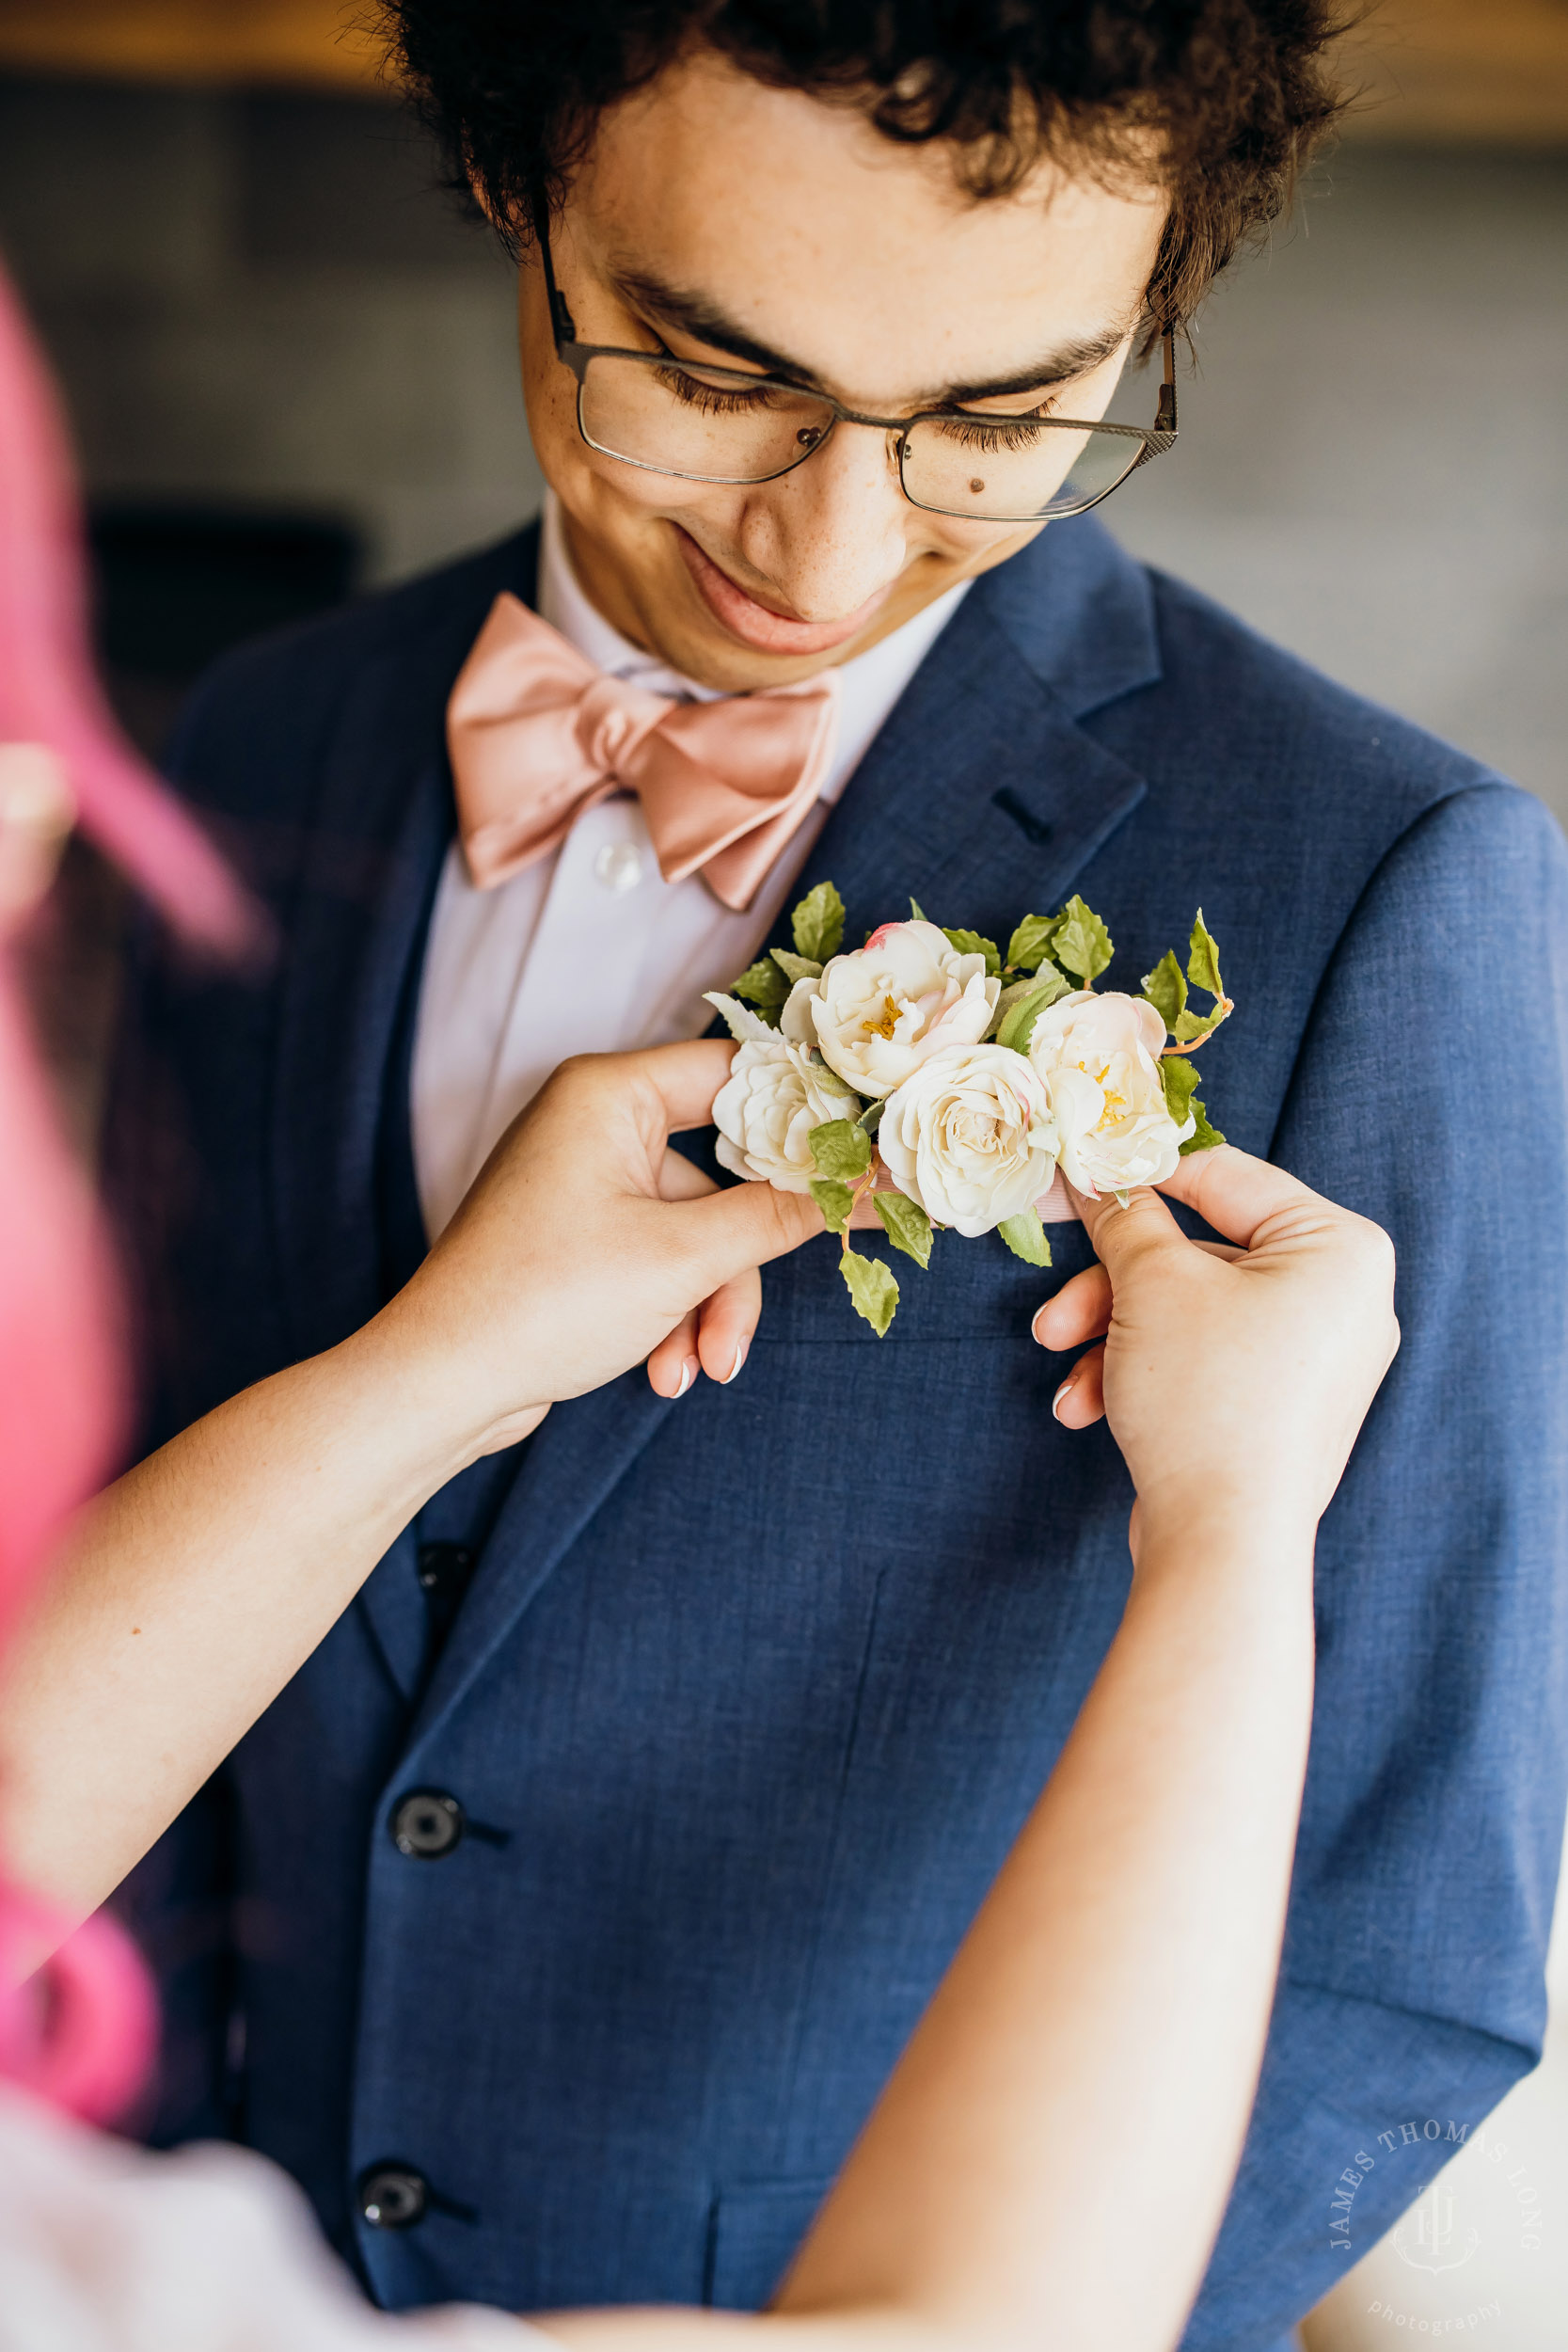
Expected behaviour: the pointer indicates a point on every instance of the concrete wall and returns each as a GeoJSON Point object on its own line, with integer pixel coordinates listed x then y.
{"type": "Point", "coordinates": [1373, 467]}
{"type": "Point", "coordinates": [265, 299]}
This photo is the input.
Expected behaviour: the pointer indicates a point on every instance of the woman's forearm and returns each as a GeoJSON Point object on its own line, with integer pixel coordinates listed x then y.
{"type": "Point", "coordinates": [192, 1591]}
{"type": "Point", "coordinates": [1087, 2067]}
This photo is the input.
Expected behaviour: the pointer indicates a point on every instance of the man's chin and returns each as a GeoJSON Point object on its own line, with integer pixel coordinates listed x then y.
{"type": "Point", "coordinates": [752, 626]}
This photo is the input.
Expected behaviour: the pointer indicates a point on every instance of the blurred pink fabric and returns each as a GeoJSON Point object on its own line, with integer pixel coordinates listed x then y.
{"type": "Point", "coordinates": [80, 2033]}
{"type": "Point", "coordinates": [102, 2247]}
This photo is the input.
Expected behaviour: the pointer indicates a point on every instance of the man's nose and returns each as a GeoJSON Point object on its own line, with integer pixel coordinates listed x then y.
{"type": "Point", "coordinates": [834, 532]}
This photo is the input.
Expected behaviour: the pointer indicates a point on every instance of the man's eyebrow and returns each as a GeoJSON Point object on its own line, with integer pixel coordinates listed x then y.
{"type": "Point", "coordinates": [1058, 366]}
{"type": "Point", "coordinates": [694, 315]}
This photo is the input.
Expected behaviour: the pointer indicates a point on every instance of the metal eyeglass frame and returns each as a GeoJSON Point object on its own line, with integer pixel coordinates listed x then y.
{"type": "Point", "coordinates": [1156, 439]}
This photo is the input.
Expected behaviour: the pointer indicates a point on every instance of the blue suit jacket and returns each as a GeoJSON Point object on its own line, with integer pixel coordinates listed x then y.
{"type": "Point", "coordinates": [747, 1698]}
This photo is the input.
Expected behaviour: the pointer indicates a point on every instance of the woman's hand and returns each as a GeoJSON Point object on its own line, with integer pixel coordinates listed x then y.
{"type": "Point", "coordinates": [1229, 1375]}
{"type": "Point", "coordinates": [587, 1245]}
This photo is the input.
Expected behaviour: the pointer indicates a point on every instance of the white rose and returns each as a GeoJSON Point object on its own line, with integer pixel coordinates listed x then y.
{"type": "Point", "coordinates": [767, 1107]}
{"type": "Point", "coordinates": [880, 1011]}
{"type": "Point", "coordinates": [1100, 1059]}
{"type": "Point", "coordinates": [970, 1137]}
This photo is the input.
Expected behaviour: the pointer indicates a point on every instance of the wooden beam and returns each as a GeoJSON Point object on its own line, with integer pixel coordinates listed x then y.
{"type": "Point", "coordinates": [288, 44]}
{"type": "Point", "coordinates": [1461, 71]}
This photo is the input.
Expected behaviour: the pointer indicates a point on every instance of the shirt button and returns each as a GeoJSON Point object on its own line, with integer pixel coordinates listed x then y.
{"type": "Point", "coordinates": [619, 866]}
{"type": "Point", "coordinates": [392, 2196]}
{"type": "Point", "coordinates": [427, 1824]}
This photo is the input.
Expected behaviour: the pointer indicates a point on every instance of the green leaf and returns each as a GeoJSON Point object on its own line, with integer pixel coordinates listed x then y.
{"type": "Point", "coordinates": [917, 914]}
{"type": "Point", "coordinates": [834, 1200]}
{"type": "Point", "coordinates": [970, 943]}
{"type": "Point", "coordinates": [1025, 1237]}
{"type": "Point", "coordinates": [1191, 1026]}
{"type": "Point", "coordinates": [1083, 945]}
{"type": "Point", "coordinates": [871, 1118]}
{"type": "Point", "coordinates": [1031, 943]}
{"type": "Point", "coordinates": [905, 1225]}
{"type": "Point", "coordinates": [839, 1148]}
{"type": "Point", "coordinates": [1203, 963]}
{"type": "Point", "coordinates": [743, 1024]}
{"type": "Point", "coordinates": [818, 923]}
{"type": "Point", "coordinates": [1180, 1080]}
{"type": "Point", "coordinates": [873, 1289]}
{"type": "Point", "coordinates": [1017, 1025]}
{"type": "Point", "coordinates": [762, 983]}
{"type": "Point", "coordinates": [797, 967]}
{"type": "Point", "coordinates": [1166, 989]}
{"type": "Point", "coordinates": [1203, 1137]}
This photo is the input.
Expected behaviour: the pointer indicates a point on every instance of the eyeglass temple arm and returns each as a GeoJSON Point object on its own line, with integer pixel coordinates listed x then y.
{"type": "Point", "coordinates": [562, 321]}
{"type": "Point", "coordinates": [1164, 415]}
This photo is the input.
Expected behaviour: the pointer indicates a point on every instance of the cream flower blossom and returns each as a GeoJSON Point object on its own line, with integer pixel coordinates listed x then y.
{"type": "Point", "coordinates": [1099, 1055]}
{"type": "Point", "coordinates": [767, 1107]}
{"type": "Point", "coordinates": [969, 1135]}
{"type": "Point", "coordinates": [879, 1013]}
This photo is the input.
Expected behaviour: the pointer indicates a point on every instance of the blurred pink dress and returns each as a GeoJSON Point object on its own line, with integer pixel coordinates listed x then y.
{"type": "Point", "coordinates": [107, 2249]}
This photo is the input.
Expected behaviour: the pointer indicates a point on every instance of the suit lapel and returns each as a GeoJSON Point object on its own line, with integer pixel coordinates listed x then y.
{"type": "Point", "coordinates": [982, 798]}
{"type": "Point", "coordinates": [567, 1469]}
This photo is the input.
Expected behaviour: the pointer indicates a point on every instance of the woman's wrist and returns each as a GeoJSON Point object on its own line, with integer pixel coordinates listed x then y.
{"type": "Point", "coordinates": [427, 1405]}
{"type": "Point", "coordinates": [1265, 1542]}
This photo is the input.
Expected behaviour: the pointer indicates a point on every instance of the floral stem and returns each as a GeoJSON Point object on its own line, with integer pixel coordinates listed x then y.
{"type": "Point", "coordinates": [1226, 1008]}
{"type": "Point", "coordinates": [868, 1184]}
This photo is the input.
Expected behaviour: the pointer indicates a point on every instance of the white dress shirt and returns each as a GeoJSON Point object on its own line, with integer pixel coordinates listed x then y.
{"type": "Point", "coordinates": [591, 951]}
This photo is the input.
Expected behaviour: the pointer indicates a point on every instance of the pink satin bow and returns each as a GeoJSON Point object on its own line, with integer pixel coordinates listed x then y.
{"type": "Point", "coordinates": [536, 735]}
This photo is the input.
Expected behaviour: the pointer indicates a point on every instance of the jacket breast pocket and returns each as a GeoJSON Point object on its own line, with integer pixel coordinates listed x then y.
{"type": "Point", "coordinates": [754, 2230]}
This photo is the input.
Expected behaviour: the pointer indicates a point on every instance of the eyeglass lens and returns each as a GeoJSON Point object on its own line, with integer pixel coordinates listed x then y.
{"type": "Point", "coordinates": [708, 427]}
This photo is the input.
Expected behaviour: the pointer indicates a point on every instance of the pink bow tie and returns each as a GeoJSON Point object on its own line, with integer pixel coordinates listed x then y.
{"type": "Point", "coordinates": [536, 735]}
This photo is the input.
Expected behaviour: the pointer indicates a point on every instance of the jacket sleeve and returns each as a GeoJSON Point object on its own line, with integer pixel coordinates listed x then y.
{"type": "Point", "coordinates": [1429, 1093]}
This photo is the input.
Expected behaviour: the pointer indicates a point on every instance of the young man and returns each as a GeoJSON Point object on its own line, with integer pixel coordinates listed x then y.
{"type": "Point", "coordinates": [586, 1882]}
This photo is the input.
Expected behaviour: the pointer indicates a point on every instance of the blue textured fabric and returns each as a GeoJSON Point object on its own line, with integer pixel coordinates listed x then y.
{"type": "Point", "coordinates": [750, 1695]}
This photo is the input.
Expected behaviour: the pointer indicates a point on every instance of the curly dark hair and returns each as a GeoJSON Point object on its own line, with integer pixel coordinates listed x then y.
{"type": "Point", "coordinates": [1236, 93]}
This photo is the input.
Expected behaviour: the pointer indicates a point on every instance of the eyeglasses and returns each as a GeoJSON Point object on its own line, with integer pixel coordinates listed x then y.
{"type": "Point", "coordinates": [669, 416]}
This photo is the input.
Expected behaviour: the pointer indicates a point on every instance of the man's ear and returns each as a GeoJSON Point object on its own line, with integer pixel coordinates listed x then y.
{"type": "Point", "coordinates": [479, 197]}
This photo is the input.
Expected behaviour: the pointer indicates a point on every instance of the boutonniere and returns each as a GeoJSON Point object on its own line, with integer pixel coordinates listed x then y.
{"type": "Point", "coordinates": [946, 1084]}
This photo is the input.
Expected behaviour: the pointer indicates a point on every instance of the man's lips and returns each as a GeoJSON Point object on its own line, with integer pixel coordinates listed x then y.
{"type": "Point", "coordinates": [756, 624]}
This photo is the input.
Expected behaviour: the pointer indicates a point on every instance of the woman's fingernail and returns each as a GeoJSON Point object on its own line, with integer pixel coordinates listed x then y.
{"type": "Point", "coordinates": [1064, 1391]}
{"type": "Point", "coordinates": [689, 1373]}
{"type": "Point", "coordinates": [1035, 1327]}
{"type": "Point", "coordinates": [734, 1370]}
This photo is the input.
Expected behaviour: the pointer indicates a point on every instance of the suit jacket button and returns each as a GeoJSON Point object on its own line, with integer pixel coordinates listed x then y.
{"type": "Point", "coordinates": [427, 1823]}
{"type": "Point", "coordinates": [392, 2196]}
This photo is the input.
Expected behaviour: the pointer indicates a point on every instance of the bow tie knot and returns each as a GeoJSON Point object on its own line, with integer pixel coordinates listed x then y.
{"type": "Point", "coordinates": [536, 735]}
{"type": "Point", "coordinates": [613, 718]}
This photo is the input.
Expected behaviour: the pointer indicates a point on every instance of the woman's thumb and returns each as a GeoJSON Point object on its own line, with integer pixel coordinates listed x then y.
{"type": "Point", "coordinates": [1120, 1236]}
{"type": "Point", "coordinates": [746, 1225]}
